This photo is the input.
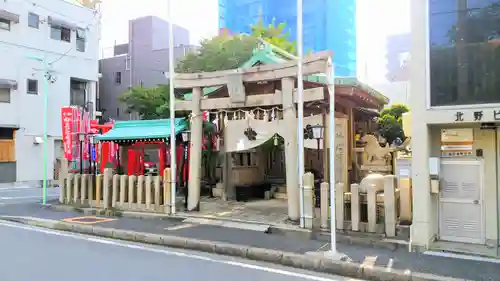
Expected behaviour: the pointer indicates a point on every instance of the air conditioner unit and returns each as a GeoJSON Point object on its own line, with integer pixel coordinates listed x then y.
{"type": "Point", "coordinates": [37, 140]}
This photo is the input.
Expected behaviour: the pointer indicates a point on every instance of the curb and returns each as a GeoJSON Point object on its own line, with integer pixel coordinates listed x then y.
{"type": "Point", "coordinates": [275, 230]}
{"type": "Point", "coordinates": [307, 262]}
{"type": "Point", "coordinates": [113, 213]}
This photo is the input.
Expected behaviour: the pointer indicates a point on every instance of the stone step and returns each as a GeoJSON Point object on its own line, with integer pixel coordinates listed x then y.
{"type": "Point", "coordinates": [229, 224]}
{"type": "Point", "coordinates": [280, 195]}
{"type": "Point", "coordinates": [281, 189]}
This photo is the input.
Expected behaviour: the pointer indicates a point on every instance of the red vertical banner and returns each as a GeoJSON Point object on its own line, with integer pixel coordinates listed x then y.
{"type": "Point", "coordinates": [78, 127]}
{"type": "Point", "coordinates": [206, 117]}
{"type": "Point", "coordinates": [85, 129]}
{"type": "Point", "coordinates": [67, 131]}
{"type": "Point", "coordinates": [113, 148]}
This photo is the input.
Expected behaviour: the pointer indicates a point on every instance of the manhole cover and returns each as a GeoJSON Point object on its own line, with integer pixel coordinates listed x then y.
{"type": "Point", "coordinates": [88, 220]}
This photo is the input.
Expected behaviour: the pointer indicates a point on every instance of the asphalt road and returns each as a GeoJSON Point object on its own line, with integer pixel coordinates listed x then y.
{"type": "Point", "coordinates": [36, 254]}
{"type": "Point", "coordinates": [16, 194]}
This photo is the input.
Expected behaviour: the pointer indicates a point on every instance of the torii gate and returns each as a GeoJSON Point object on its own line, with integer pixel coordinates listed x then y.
{"type": "Point", "coordinates": [234, 80]}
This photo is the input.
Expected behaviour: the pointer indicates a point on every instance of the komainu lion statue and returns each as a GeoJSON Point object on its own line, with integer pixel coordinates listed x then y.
{"type": "Point", "coordinates": [375, 153]}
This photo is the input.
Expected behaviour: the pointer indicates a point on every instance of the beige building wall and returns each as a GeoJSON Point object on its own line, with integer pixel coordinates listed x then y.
{"type": "Point", "coordinates": [426, 125]}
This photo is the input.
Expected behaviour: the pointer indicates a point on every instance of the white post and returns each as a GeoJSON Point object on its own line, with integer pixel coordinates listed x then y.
{"type": "Point", "coordinates": [300, 112]}
{"type": "Point", "coordinates": [331, 137]}
{"type": "Point", "coordinates": [173, 166]}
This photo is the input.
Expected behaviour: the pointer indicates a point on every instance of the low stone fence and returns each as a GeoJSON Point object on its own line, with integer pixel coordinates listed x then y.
{"type": "Point", "coordinates": [133, 193]}
{"type": "Point", "coordinates": [371, 206]}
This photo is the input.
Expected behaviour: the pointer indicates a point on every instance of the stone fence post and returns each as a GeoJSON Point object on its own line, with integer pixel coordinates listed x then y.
{"type": "Point", "coordinates": [63, 180]}
{"type": "Point", "coordinates": [106, 186]}
{"type": "Point", "coordinates": [324, 208]}
{"type": "Point", "coordinates": [390, 207]}
{"type": "Point", "coordinates": [167, 191]}
{"type": "Point", "coordinates": [308, 181]}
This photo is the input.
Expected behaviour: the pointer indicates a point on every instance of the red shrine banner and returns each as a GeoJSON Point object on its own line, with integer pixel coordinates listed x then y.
{"type": "Point", "coordinates": [113, 148]}
{"type": "Point", "coordinates": [85, 129]}
{"type": "Point", "coordinates": [68, 118]}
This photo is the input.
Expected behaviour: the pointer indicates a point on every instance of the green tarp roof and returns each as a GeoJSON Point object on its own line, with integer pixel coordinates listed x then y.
{"type": "Point", "coordinates": [143, 129]}
{"type": "Point", "coordinates": [269, 54]}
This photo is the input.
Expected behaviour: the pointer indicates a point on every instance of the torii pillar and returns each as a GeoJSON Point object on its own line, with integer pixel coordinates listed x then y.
{"type": "Point", "coordinates": [194, 182]}
{"type": "Point", "coordinates": [291, 149]}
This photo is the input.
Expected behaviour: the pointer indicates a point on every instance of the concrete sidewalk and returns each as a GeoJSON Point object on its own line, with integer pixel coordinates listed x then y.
{"type": "Point", "coordinates": [361, 262]}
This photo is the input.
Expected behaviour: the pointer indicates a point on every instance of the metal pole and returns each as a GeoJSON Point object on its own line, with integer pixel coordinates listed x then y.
{"type": "Point", "coordinates": [331, 131]}
{"type": "Point", "coordinates": [45, 125]}
{"type": "Point", "coordinates": [46, 76]}
{"type": "Point", "coordinates": [319, 151]}
{"type": "Point", "coordinates": [300, 109]}
{"type": "Point", "coordinates": [90, 157]}
{"type": "Point", "coordinates": [81, 157]}
{"type": "Point", "coordinates": [184, 179]}
{"type": "Point", "coordinates": [171, 100]}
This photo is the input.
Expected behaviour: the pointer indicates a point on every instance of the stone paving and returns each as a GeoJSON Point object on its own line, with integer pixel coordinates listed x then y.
{"type": "Point", "coordinates": [274, 211]}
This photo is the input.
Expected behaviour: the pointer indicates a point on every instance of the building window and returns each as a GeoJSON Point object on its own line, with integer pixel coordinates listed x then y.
{"type": "Point", "coordinates": [78, 95]}
{"type": "Point", "coordinates": [80, 40]}
{"type": "Point", "coordinates": [60, 33]}
{"type": "Point", "coordinates": [118, 77]}
{"type": "Point", "coordinates": [4, 95]}
{"type": "Point", "coordinates": [4, 24]}
{"type": "Point", "coordinates": [464, 52]}
{"type": "Point", "coordinates": [33, 20]}
{"type": "Point", "coordinates": [32, 87]}
{"type": "Point", "coordinates": [6, 133]}
{"type": "Point", "coordinates": [117, 112]}
{"type": "Point", "coordinates": [127, 63]}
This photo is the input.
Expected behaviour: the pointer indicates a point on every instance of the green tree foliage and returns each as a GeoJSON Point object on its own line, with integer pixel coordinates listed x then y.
{"type": "Point", "coordinates": [276, 35]}
{"type": "Point", "coordinates": [149, 103]}
{"type": "Point", "coordinates": [221, 52]}
{"type": "Point", "coordinates": [227, 51]}
{"type": "Point", "coordinates": [218, 53]}
{"type": "Point", "coordinates": [390, 122]}
{"type": "Point", "coordinates": [481, 24]}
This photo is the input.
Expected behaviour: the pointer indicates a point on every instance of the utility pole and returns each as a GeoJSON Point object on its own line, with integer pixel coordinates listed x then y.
{"type": "Point", "coordinates": [171, 100]}
{"type": "Point", "coordinates": [300, 111]}
{"type": "Point", "coordinates": [46, 77]}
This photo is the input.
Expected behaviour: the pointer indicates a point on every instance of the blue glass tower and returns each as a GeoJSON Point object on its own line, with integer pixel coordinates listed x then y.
{"type": "Point", "coordinates": [327, 24]}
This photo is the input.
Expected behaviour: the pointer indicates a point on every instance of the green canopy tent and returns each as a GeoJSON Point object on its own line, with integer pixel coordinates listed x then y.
{"type": "Point", "coordinates": [143, 130]}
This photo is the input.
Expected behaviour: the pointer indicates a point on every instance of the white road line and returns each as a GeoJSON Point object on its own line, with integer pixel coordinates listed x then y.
{"type": "Point", "coordinates": [18, 188]}
{"type": "Point", "coordinates": [181, 226]}
{"type": "Point", "coordinates": [460, 256]}
{"type": "Point", "coordinates": [172, 253]}
{"type": "Point", "coordinates": [26, 197]}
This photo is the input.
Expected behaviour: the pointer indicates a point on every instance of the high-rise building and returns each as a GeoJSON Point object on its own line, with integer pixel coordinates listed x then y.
{"type": "Point", "coordinates": [327, 24]}
{"type": "Point", "coordinates": [398, 57]}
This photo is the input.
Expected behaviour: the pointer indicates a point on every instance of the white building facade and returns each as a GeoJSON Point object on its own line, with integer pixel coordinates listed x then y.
{"type": "Point", "coordinates": [455, 108]}
{"type": "Point", "coordinates": [66, 36]}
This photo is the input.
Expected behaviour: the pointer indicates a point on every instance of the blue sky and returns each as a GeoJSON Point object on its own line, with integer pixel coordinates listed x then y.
{"type": "Point", "coordinates": [376, 20]}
